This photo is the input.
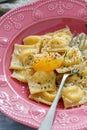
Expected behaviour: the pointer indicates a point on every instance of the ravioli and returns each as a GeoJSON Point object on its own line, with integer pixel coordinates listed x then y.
{"type": "Point", "coordinates": [23, 55]}
{"type": "Point", "coordinates": [42, 81]}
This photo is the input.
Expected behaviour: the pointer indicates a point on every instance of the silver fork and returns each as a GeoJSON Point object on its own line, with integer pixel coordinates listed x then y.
{"type": "Point", "coordinates": [80, 40]}
{"type": "Point", "coordinates": [48, 121]}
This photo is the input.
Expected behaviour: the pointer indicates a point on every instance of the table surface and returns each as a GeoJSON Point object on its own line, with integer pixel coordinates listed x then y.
{"type": "Point", "coordinates": [8, 124]}
{"type": "Point", "coordinates": [5, 122]}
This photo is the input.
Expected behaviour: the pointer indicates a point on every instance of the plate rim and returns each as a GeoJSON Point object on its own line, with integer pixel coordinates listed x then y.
{"type": "Point", "coordinates": [2, 18]}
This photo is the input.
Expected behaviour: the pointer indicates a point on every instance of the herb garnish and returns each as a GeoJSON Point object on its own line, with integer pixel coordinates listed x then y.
{"type": "Point", "coordinates": [65, 54]}
{"type": "Point", "coordinates": [48, 86]}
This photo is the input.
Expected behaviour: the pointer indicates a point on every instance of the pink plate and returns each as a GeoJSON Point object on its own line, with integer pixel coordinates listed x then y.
{"type": "Point", "coordinates": [37, 18]}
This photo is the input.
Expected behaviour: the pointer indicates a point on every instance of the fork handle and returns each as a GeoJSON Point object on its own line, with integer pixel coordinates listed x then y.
{"type": "Point", "coordinates": [48, 121]}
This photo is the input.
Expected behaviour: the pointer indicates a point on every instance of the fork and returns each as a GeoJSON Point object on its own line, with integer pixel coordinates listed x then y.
{"type": "Point", "coordinates": [80, 40]}
{"type": "Point", "coordinates": [48, 121]}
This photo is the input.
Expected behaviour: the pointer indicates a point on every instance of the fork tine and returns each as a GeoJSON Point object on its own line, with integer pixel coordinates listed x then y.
{"type": "Point", "coordinates": [83, 46]}
{"type": "Point", "coordinates": [71, 41]}
{"type": "Point", "coordinates": [80, 41]}
{"type": "Point", "coordinates": [76, 40]}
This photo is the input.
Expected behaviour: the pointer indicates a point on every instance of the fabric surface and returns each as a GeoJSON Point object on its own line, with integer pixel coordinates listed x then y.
{"type": "Point", "coordinates": [8, 124]}
{"type": "Point", "coordinates": [11, 4]}
{"type": "Point", "coordinates": [5, 122]}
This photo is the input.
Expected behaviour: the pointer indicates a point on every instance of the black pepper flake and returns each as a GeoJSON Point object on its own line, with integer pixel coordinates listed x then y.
{"type": "Point", "coordinates": [56, 82]}
{"type": "Point", "coordinates": [56, 54]}
{"type": "Point", "coordinates": [45, 87]}
{"type": "Point", "coordinates": [39, 82]}
{"type": "Point", "coordinates": [81, 77]}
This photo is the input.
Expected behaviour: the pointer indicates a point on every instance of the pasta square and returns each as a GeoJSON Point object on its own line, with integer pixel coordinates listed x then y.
{"type": "Point", "coordinates": [23, 55]}
{"type": "Point", "coordinates": [42, 81]}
